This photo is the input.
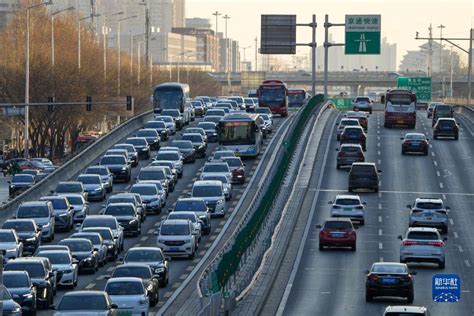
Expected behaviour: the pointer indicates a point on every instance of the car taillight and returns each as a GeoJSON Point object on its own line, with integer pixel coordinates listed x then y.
{"type": "Point", "coordinates": [407, 142]}
{"type": "Point", "coordinates": [405, 278]}
{"type": "Point", "coordinates": [359, 207]}
{"type": "Point", "coordinates": [324, 233]}
{"type": "Point", "coordinates": [436, 243]}
{"type": "Point", "coordinates": [417, 211]}
{"type": "Point", "coordinates": [341, 154]}
{"type": "Point", "coordinates": [336, 207]}
{"type": "Point", "coordinates": [409, 243]}
{"type": "Point", "coordinates": [373, 277]}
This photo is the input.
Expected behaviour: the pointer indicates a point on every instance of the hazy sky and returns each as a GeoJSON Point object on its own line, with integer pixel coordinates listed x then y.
{"type": "Point", "coordinates": [400, 18]}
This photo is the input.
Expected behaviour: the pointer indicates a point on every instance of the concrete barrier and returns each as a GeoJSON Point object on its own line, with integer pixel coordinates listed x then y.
{"type": "Point", "coordinates": [76, 164]}
{"type": "Point", "coordinates": [466, 111]}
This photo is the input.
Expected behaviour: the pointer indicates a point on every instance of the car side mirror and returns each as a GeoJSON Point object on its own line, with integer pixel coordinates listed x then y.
{"type": "Point", "coordinates": [190, 193]}
{"type": "Point", "coordinates": [113, 306]}
{"type": "Point", "coordinates": [366, 271]}
{"type": "Point", "coordinates": [330, 202]}
{"type": "Point", "coordinates": [107, 276]}
{"type": "Point", "coordinates": [75, 261]}
{"type": "Point", "coordinates": [447, 208]}
{"type": "Point", "coordinates": [445, 238]}
{"type": "Point", "coordinates": [400, 237]}
{"type": "Point", "coordinates": [413, 273]}
{"type": "Point", "coordinates": [9, 182]}
{"type": "Point", "coordinates": [51, 274]}
{"type": "Point", "coordinates": [156, 232]}
{"type": "Point", "coordinates": [52, 306]}
{"type": "Point", "coordinates": [401, 138]}
{"type": "Point", "coordinates": [427, 139]}
{"type": "Point", "coordinates": [170, 210]}
{"type": "Point", "coordinates": [71, 207]}
{"type": "Point", "coordinates": [319, 226]}
{"type": "Point", "coordinates": [364, 203]}
{"type": "Point", "coordinates": [379, 171]}
{"type": "Point", "coordinates": [408, 205]}
{"type": "Point", "coordinates": [38, 230]}
{"type": "Point", "coordinates": [167, 258]}
{"type": "Point", "coordinates": [16, 297]}
{"type": "Point", "coordinates": [51, 191]}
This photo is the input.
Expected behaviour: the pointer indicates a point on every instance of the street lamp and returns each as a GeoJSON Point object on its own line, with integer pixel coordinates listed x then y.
{"type": "Point", "coordinates": [27, 76]}
{"type": "Point", "coordinates": [181, 54]}
{"type": "Point", "coordinates": [79, 37]}
{"type": "Point", "coordinates": [105, 31]}
{"type": "Point", "coordinates": [119, 50]}
{"type": "Point", "coordinates": [52, 30]}
{"type": "Point", "coordinates": [187, 64]}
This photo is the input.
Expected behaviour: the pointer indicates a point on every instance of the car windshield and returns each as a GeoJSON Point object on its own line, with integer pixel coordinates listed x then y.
{"type": "Point", "coordinates": [207, 125]}
{"type": "Point", "coordinates": [143, 255]}
{"type": "Point", "coordinates": [136, 272]}
{"type": "Point", "coordinates": [429, 205]}
{"type": "Point", "coordinates": [119, 210]}
{"type": "Point", "coordinates": [351, 149]}
{"type": "Point", "coordinates": [76, 303]}
{"type": "Point", "coordinates": [89, 180]}
{"type": "Point", "coordinates": [75, 200]}
{"type": "Point", "coordinates": [34, 269]}
{"type": "Point", "coordinates": [193, 138]}
{"type": "Point", "coordinates": [385, 268]}
{"type": "Point", "coordinates": [414, 137]}
{"type": "Point", "coordinates": [121, 199]}
{"type": "Point", "coordinates": [422, 235]}
{"type": "Point", "coordinates": [172, 156]}
{"type": "Point", "coordinates": [15, 280]}
{"type": "Point", "coordinates": [22, 178]}
{"type": "Point", "coordinates": [124, 288]}
{"type": "Point", "coordinates": [347, 202]}
{"type": "Point", "coordinates": [196, 206]}
{"type": "Point", "coordinates": [151, 175]}
{"type": "Point", "coordinates": [105, 234]}
{"type": "Point", "coordinates": [182, 144]}
{"type": "Point", "coordinates": [174, 229]}
{"type": "Point", "coordinates": [113, 160]}
{"type": "Point", "coordinates": [95, 240]}
{"type": "Point", "coordinates": [55, 258]}
{"type": "Point", "coordinates": [207, 191]}
{"type": "Point", "coordinates": [144, 190]}
{"type": "Point", "coordinates": [99, 223]}
{"type": "Point", "coordinates": [129, 148]}
{"type": "Point", "coordinates": [68, 187]}
{"type": "Point", "coordinates": [216, 168]}
{"type": "Point", "coordinates": [100, 171]}
{"type": "Point", "coordinates": [349, 123]}
{"type": "Point", "coordinates": [7, 237]}
{"type": "Point", "coordinates": [32, 212]}
{"type": "Point", "coordinates": [233, 162]}
{"type": "Point", "coordinates": [147, 133]}
{"type": "Point", "coordinates": [337, 225]}
{"type": "Point", "coordinates": [166, 119]}
{"type": "Point", "coordinates": [19, 226]}
{"type": "Point", "coordinates": [191, 217]}
{"type": "Point", "coordinates": [223, 179]}
{"type": "Point", "coordinates": [137, 142]}
{"type": "Point", "coordinates": [76, 246]}
{"type": "Point", "coordinates": [155, 124]}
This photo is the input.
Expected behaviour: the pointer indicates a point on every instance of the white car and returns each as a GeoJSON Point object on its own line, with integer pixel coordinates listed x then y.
{"type": "Point", "coordinates": [10, 244]}
{"type": "Point", "coordinates": [192, 216]}
{"type": "Point", "coordinates": [212, 192]}
{"type": "Point", "coordinates": [225, 183]}
{"type": "Point", "coordinates": [129, 294]}
{"type": "Point", "coordinates": [169, 122]}
{"type": "Point", "coordinates": [349, 206]}
{"type": "Point", "coordinates": [216, 168]}
{"type": "Point", "coordinates": [173, 156]}
{"type": "Point", "coordinates": [65, 265]}
{"type": "Point", "coordinates": [176, 238]}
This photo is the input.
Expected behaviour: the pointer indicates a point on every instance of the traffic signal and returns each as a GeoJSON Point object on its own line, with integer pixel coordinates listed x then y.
{"type": "Point", "coordinates": [130, 103]}
{"type": "Point", "coordinates": [88, 103]}
{"type": "Point", "coordinates": [50, 104]}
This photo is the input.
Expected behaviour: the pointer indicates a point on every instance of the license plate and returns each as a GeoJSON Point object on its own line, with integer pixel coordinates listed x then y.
{"type": "Point", "coordinates": [174, 249]}
{"type": "Point", "coordinates": [389, 280]}
{"type": "Point", "coordinates": [337, 235]}
{"type": "Point", "coordinates": [347, 209]}
{"type": "Point", "coordinates": [400, 122]}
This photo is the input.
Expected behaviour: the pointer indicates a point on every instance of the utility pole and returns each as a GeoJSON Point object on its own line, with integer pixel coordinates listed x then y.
{"type": "Point", "coordinates": [327, 25]}
{"type": "Point", "coordinates": [147, 32]}
{"type": "Point", "coordinates": [441, 27]}
{"type": "Point", "coordinates": [256, 53]}
{"type": "Point", "coordinates": [217, 14]}
{"type": "Point", "coordinates": [227, 62]}
{"type": "Point", "coordinates": [430, 51]}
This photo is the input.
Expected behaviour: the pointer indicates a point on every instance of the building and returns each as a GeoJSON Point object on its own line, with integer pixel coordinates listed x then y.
{"type": "Point", "coordinates": [199, 23]}
{"type": "Point", "coordinates": [7, 8]}
{"type": "Point", "coordinates": [205, 44]}
{"type": "Point", "coordinates": [419, 60]}
{"type": "Point", "coordinates": [179, 13]}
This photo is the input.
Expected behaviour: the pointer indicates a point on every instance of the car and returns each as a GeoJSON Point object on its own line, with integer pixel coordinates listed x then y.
{"type": "Point", "coordinates": [50, 248]}
{"type": "Point", "coordinates": [250, 105]}
{"type": "Point", "coordinates": [337, 232]}
{"type": "Point", "coordinates": [44, 161]}
{"type": "Point", "coordinates": [64, 264]}
{"type": "Point", "coordinates": [98, 303]}
{"type": "Point", "coordinates": [94, 186]}
{"type": "Point", "coordinates": [108, 240]}
{"type": "Point", "coordinates": [132, 198]}
{"type": "Point", "coordinates": [80, 206]}
{"type": "Point", "coordinates": [364, 175]}
{"type": "Point", "coordinates": [220, 154]}
{"type": "Point", "coordinates": [160, 127]}
{"type": "Point", "coordinates": [42, 213]}
{"type": "Point", "coordinates": [389, 279]}
{"type": "Point", "coordinates": [150, 195]}
{"type": "Point", "coordinates": [406, 310]}
{"type": "Point", "coordinates": [267, 123]}
{"type": "Point", "coordinates": [10, 245]}
{"type": "Point", "coordinates": [63, 212]}
{"type": "Point", "coordinates": [216, 168]}
{"type": "Point", "coordinates": [348, 206]}
{"type": "Point", "coordinates": [153, 175]}
{"type": "Point", "coordinates": [22, 290]}
{"type": "Point", "coordinates": [119, 167]}
{"type": "Point", "coordinates": [176, 238]}
{"type": "Point", "coordinates": [117, 151]}
{"type": "Point", "coordinates": [237, 169]}
{"type": "Point", "coordinates": [199, 108]}
{"type": "Point", "coordinates": [211, 130]}
{"type": "Point", "coordinates": [362, 103]}
{"type": "Point", "coordinates": [197, 206]}
{"type": "Point", "coordinates": [169, 122]}
{"type": "Point", "coordinates": [20, 183]}
{"type": "Point", "coordinates": [430, 109]}
{"type": "Point", "coordinates": [28, 233]}
{"type": "Point", "coordinates": [83, 250]}
{"type": "Point", "coordinates": [446, 127]}
{"type": "Point", "coordinates": [97, 242]}
{"type": "Point", "coordinates": [178, 118]}
{"type": "Point", "coordinates": [240, 101]}
{"type": "Point", "coordinates": [429, 212]}
{"type": "Point", "coordinates": [106, 221]}
{"type": "Point", "coordinates": [186, 149]}
{"type": "Point", "coordinates": [152, 136]}
{"type": "Point", "coordinates": [415, 143]}
{"type": "Point", "coordinates": [423, 244]}
{"type": "Point", "coordinates": [360, 116]}
{"type": "Point", "coordinates": [129, 294]}
{"type": "Point", "coordinates": [132, 152]}
{"type": "Point", "coordinates": [106, 176]}
{"type": "Point", "coordinates": [354, 135]}
{"type": "Point", "coordinates": [212, 118]}
{"type": "Point", "coordinates": [169, 164]}
{"type": "Point", "coordinates": [143, 272]}
{"type": "Point", "coordinates": [212, 192]}
{"type": "Point", "coordinates": [348, 154]}
{"type": "Point", "coordinates": [226, 183]}
{"type": "Point", "coordinates": [127, 216]}
{"type": "Point", "coordinates": [9, 306]}
{"type": "Point", "coordinates": [43, 279]}
{"type": "Point", "coordinates": [198, 142]}
{"type": "Point", "coordinates": [198, 130]}
{"type": "Point", "coordinates": [264, 110]}
{"type": "Point", "coordinates": [216, 112]}
{"type": "Point", "coordinates": [345, 122]}
{"type": "Point", "coordinates": [66, 187]}
{"type": "Point", "coordinates": [141, 146]}
{"type": "Point", "coordinates": [192, 216]}
{"type": "Point", "coordinates": [152, 257]}
{"type": "Point", "coordinates": [174, 157]}
{"type": "Point", "coordinates": [441, 111]}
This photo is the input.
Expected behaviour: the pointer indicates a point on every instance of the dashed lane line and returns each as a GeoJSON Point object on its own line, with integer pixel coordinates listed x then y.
{"type": "Point", "coordinates": [168, 294]}
{"type": "Point", "coordinates": [438, 173]}
{"type": "Point", "coordinates": [380, 206]}
{"type": "Point", "coordinates": [435, 163]}
{"type": "Point", "coordinates": [451, 221]}
{"type": "Point", "coordinates": [456, 235]}
{"type": "Point", "coordinates": [144, 238]}
{"type": "Point", "coordinates": [380, 219]}
{"type": "Point", "coordinates": [441, 185]}
{"type": "Point", "coordinates": [460, 248]}
{"type": "Point", "coordinates": [151, 231]}
{"type": "Point", "coordinates": [183, 276]}
{"type": "Point", "coordinates": [189, 269]}
{"type": "Point", "coordinates": [175, 285]}
{"type": "Point", "coordinates": [467, 263]}
{"type": "Point", "coordinates": [89, 286]}
{"type": "Point", "coordinates": [380, 246]}
{"type": "Point", "coordinates": [380, 231]}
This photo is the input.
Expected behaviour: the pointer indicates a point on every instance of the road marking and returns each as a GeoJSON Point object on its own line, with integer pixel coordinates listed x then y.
{"type": "Point", "coordinates": [151, 231]}
{"type": "Point", "coordinates": [231, 209]}
{"type": "Point", "coordinates": [456, 235]}
{"type": "Point", "coordinates": [144, 238]}
{"type": "Point", "coordinates": [234, 203]}
{"type": "Point", "coordinates": [378, 137]}
{"type": "Point", "coordinates": [380, 219]}
{"type": "Point", "coordinates": [254, 167]}
{"type": "Point", "coordinates": [202, 252]}
{"type": "Point", "coordinates": [380, 194]}
{"type": "Point", "coordinates": [183, 276]}
{"type": "Point", "coordinates": [451, 221]}
{"type": "Point", "coordinates": [435, 163]}
{"type": "Point", "coordinates": [441, 185]}
{"type": "Point", "coordinates": [438, 173]}
{"type": "Point", "coordinates": [467, 263]}
{"type": "Point", "coordinates": [194, 179]}
{"type": "Point", "coordinates": [380, 246]}
{"type": "Point", "coordinates": [381, 259]}
{"type": "Point", "coordinates": [189, 185]}
{"type": "Point", "coordinates": [157, 224]}
{"type": "Point", "coordinates": [168, 294]}
{"type": "Point", "coordinates": [100, 277]}
{"type": "Point", "coordinates": [110, 269]}
{"type": "Point", "coordinates": [379, 162]}
{"type": "Point", "coordinates": [380, 231]}
{"type": "Point", "coordinates": [378, 144]}
{"type": "Point", "coordinates": [176, 285]}
{"type": "Point", "coordinates": [218, 230]}
{"type": "Point", "coordinates": [460, 248]}
{"type": "Point", "coordinates": [213, 237]}
{"type": "Point", "coordinates": [196, 260]}
{"type": "Point", "coordinates": [221, 223]}
{"type": "Point", "coordinates": [431, 146]}
{"type": "Point", "coordinates": [379, 153]}
{"type": "Point", "coordinates": [444, 196]}
{"type": "Point", "coordinates": [326, 293]}
{"type": "Point", "coordinates": [190, 268]}
{"type": "Point", "coordinates": [380, 206]}
{"type": "Point", "coordinates": [138, 245]}
{"type": "Point", "coordinates": [238, 196]}
{"type": "Point", "coordinates": [90, 286]}
{"type": "Point", "coordinates": [432, 153]}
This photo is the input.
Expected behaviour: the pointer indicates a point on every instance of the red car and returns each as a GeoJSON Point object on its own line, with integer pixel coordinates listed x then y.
{"type": "Point", "coordinates": [237, 169]}
{"type": "Point", "coordinates": [337, 232]}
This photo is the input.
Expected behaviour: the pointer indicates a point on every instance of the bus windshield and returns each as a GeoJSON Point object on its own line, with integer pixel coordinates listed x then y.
{"type": "Point", "coordinates": [272, 94]}
{"type": "Point", "coordinates": [232, 134]}
{"type": "Point", "coordinates": [399, 99]}
{"type": "Point", "coordinates": [168, 99]}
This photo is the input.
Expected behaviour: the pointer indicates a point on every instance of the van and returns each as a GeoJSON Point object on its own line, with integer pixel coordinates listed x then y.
{"type": "Point", "coordinates": [441, 111]}
{"type": "Point", "coordinates": [364, 175]}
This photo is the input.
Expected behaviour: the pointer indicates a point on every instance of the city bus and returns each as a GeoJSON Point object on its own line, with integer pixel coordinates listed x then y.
{"type": "Point", "coordinates": [400, 108]}
{"type": "Point", "coordinates": [172, 95]}
{"type": "Point", "coordinates": [296, 97]}
{"type": "Point", "coordinates": [274, 95]}
{"type": "Point", "coordinates": [240, 133]}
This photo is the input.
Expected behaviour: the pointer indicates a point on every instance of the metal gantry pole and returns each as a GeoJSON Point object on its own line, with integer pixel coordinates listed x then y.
{"type": "Point", "coordinates": [469, 67]}
{"type": "Point", "coordinates": [313, 56]}
{"type": "Point", "coordinates": [27, 86]}
{"type": "Point", "coordinates": [326, 49]}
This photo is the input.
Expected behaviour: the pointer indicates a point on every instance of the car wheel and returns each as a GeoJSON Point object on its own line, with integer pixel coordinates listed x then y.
{"type": "Point", "coordinates": [368, 297]}
{"type": "Point", "coordinates": [338, 166]}
{"type": "Point", "coordinates": [410, 297]}
{"type": "Point", "coordinates": [441, 264]}
{"type": "Point", "coordinates": [354, 247]}
{"type": "Point", "coordinates": [321, 247]}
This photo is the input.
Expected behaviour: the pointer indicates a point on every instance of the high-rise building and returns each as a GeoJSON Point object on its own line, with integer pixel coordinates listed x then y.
{"type": "Point", "coordinates": [199, 23]}
{"type": "Point", "coordinates": [7, 8]}
{"type": "Point", "coordinates": [418, 60]}
{"type": "Point", "coordinates": [205, 44]}
{"type": "Point", "coordinates": [179, 13]}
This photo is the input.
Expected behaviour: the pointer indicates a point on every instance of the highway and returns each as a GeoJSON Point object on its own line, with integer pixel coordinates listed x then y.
{"type": "Point", "coordinates": [332, 282]}
{"type": "Point", "coordinates": [179, 268]}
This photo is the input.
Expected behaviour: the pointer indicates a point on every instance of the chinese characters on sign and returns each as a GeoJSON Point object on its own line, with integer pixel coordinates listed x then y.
{"type": "Point", "coordinates": [446, 288]}
{"type": "Point", "coordinates": [420, 85]}
{"type": "Point", "coordinates": [362, 34]}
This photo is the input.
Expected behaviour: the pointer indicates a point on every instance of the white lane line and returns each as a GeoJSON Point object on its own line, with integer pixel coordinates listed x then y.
{"type": "Point", "coordinates": [157, 224]}
{"type": "Point", "coordinates": [90, 286]}
{"type": "Point", "coordinates": [451, 221]}
{"type": "Point", "coordinates": [467, 263]}
{"type": "Point", "coordinates": [189, 269]}
{"type": "Point", "coordinates": [435, 163]}
{"type": "Point", "coordinates": [441, 185]}
{"type": "Point", "coordinates": [456, 235]}
{"type": "Point", "coordinates": [460, 248]}
{"type": "Point", "coordinates": [151, 231]}
{"type": "Point", "coordinates": [438, 173]}
{"type": "Point", "coordinates": [380, 194]}
{"type": "Point", "coordinates": [431, 146]}
{"type": "Point", "coordinates": [378, 137]}
{"type": "Point", "coordinates": [144, 238]}
{"type": "Point", "coordinates": [110, 269]}
{"type": "Point", "coordinates": [325, 292]}
{"type": "Point", "coordinates": [138, 245]}
{"type": "Point", "coordinates": [379, 162]}
{"type": "Point", "coordinates": [378, 144]}
{"type": "Point", "coordinates": [432, 153]}
{"type": "Point", "coordinates": [189, 185]}
{"type": "Point", "coordinates": [380, 219]}
{"type": "Point", "coordinates": [381, 259]}
{"type": "Point", "coordinates": [380, 246]}
{"type": "Point", "coordinates": [380, 231]}
{"type": "Point", "coordinates": [379, 153]}
{"type": "Point", "coordinates": [380, 206]}
{"type": "Point", "coordinates": [444, 196]}
{"type": "Point", "coordinates": [101, 277]}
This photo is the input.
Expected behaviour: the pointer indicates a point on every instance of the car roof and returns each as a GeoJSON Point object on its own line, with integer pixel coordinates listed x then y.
{"type": "Point", "coordinates": [446, 119]}
{"type": "Point", "coordinates": [84, 293]}
{"type": "Point", "coordinates": [337, 219]}
{"type": "Point", "coordinates": [428, 200]}
{"type": "Point", "coordinates": [207, 183]}
{"type": "Point", "coordinates": [348, 196]}
{"type": "Point", "coordinates": [395, 264]}
{"type": "Point", "coordinates": [35, 203]}
{"type": "Point", "coordinates": [125, 279]}
{"type": "Point", "coordinates": [191, 200]}
{"type": "Point", "coordinates": [16, 272]}
{"type": "Point", "coordinates": [350, 145]}
{"type": "Point", "coordinates": [183, 213]}
{"type": "Point", "coordinates": [29, 259]}
{"type": "Point", "coordinates": [20, 220]}
{"type": "Point", "coordinates": [43, 252]}
{"type": "Point", "coordinates": [144, 248]}
{"type": "Point", "coordinates": [175, 222]}
{"type": "Point", "coordinates": [363, 164]}
{"type": "Point", "coordinates": [7, 230]}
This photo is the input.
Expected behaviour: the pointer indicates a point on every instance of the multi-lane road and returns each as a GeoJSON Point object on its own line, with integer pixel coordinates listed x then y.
{"type": "Point", "coordinates": [332, 282]}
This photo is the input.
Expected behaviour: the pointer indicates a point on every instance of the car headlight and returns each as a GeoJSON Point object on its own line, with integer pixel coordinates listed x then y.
{"type": "Point", "coordinates": [67, 271]}
{"type": "Point", "coordinates": [203, 217]}
{"type": "Point", "coordinates": [30, 239]}
{"type": "Point", "coordinates": [98, 189]}
{"type": "Point", "coordinates": [11, 250]}
{"type": "Point", "coordinates": [144, 149]}
{"type": "Point", "coordinates": [62, 214]}
{"type": "Point", "coordinates": [45, 225]}
{"type": "Point", "coordinates": [88, 259]}
{"type": "Point", "coordinates": [220, 201]}
{"type": "Point", "coordinates": [187, 241]}
{"type": "Point", "coordinates": [27, 296]}
{"type": "Point", "coordinates": [159, 270]}
{"type": "Point", "coordinates": [143, 302]}
{"type": "Point", "coordinates": [132, 221]}
{"type": "Point", "coordinates": [16, 310]}
{"type": "Point", "coordinates": [161, 241]}
{"type": "Point", "coordinates": [124, 168]}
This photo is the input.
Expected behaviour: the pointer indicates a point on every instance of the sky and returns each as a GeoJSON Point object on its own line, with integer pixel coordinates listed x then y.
{"type": "Point", "coordinates": [400, 18]}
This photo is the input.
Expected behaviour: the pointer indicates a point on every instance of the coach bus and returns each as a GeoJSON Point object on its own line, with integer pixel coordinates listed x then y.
{"type": "Point", "coordinates": [172, 95]}
{"type": "Point", "coordinates": [400, 108]}
{"type": "Point", "coordinates": [240, 133]}
{"type": "Point", "coordinates": [274, 95]}
{"type": "Point", "coordinates": [296, 97]}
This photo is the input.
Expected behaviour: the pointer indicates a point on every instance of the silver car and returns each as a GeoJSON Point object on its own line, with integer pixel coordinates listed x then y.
{"type": "Point", "coordinates": [423, 244]}
{"type": "Point", "coordinates": [98, 304]}
{"type": "Point", "coordinates": [346, 122]}
{"type": "Point", "coordinates": [64, 264]}
{"type": "Point", "coordinates": [176, 238]}
{"type": "Point", "coordinates": [429, 213]}
{"type": "Point", "coordinates": [79, 205]}
{"type": "Point", "coordinates": [129, 294]}
{"type": "Point", "coordinates": [216, 168]}
{"type": "Point", "coordinates": [169, 122]}
{"type": "Point", "coordinates": [10, 244]}
{"type": "Point", "coordinates": [98, 243]}
{"type": "Point", "coordinates": [193, 217]}
{"type": "Point", "coordinates": [362, 103]}
{"type": "Point", "coordinates": [173, 156]}
{"type": "Point", "coordinates": [225, 183]}
{"type": "Point", "coordinates": [349, 206]}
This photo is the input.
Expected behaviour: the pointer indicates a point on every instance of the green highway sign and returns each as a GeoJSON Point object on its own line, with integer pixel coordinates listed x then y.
{"type": "Point", "coordinates": [420, 85]}
{"type": "Point", "coordinates": [363, 34]}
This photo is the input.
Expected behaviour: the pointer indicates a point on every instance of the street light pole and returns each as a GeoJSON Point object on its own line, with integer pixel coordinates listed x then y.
{"type": "Point", "coordinates": [119, 63]}
{"type": "Point", "coordinates": [52, 31]}
{"type": "Point", "coordinates": [217, 14]}
{"type": "Point", "coordinates": [441, 27]}
{"type": "Point", "coordinates": [79, 32]}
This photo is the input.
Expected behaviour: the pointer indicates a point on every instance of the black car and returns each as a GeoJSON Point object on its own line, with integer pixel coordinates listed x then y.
{"type": "Point", "coordinates": [415, 143]}
{"type": "Point", "coordinates": [446, 127]}
{"type": "Point", "coordinates": [127, 216]}
{"type": "Point", "coordinates": [152, 257]}
{"type": "Point", "coordinates": [211, 130]}
{"type": "Point", "coordinates": [354, 135]}
{"type": "Point", "coordinates": [198, 206]}
{"type": "Point", "coordinates": [63, 212]}
{"type": "Point", "coordinates": [132, 198]}
{"type": "Point", "coordinates": [132, 152]}
{"type": "Point", "coordinates": [176, 115]}
{"type": "Point", "coordinates": [119, 167]}
{"type": "Point", "coordinates": [141, 145]}
{"type": "Point", "coordinates": [198, 141]}
{"type": "Point", "coordinates": [105, 174]}
{"type": "Point", "coordinates": [41, 276]}
{"type": "Point", "coordinates": [186, 148]}
{"type": "Point", "coordinates": [364, 175]}
{"type": "Point", "coordinates": [97, 303]}
{"type": "Point", "coordinates": [389, 279]}
{"type": "Point", "coordinates": [160, 127]}
{"type": "Point", "coordinates": [113, 247]}
{"type": "Point", "coordinates": [28, 232]}
{"type": "Point", "coordinates": [348, 154]}
{"type": "Point", "coordinates": [144, 272]}
{"type": "Point", "coordinates": [151, 136]}
{"type": "Point", "coordinates": [83, 250]}
{"type": "Point", "coordinates": [20, 183]}
{"type": "Point", "coordinates": [19, 284]}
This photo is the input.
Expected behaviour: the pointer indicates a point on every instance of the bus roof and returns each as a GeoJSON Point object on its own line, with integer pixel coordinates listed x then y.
{"type": "Point", "coordinates": [173, 85]}
{"type": "Point", "coordinates": [296, 90]}
{"type": "Point", "coordinates": [399, 91]}
{"type": "Point", "coordinates": [233, 117]}
{"type": "Point", "coordinates": [273, 83]}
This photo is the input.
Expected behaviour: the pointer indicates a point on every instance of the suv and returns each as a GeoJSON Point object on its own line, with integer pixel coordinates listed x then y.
{"type": "Point", "coordinates": [354, 135]}
{"type": "Point", "coordinates": [83, 250]}
{"type": "Point", "coordinates": [346, 122]}
{"type": "Point", "coordinates": [214, 168]}
{"type": "Point", "coordinates": [64, 264]}
{"type": "Point", "coordinates": [63, 212]}
{"type": "Point", "coordinates": [173, 156]}
{"type": "Point", "coordinates": [360, 116]}
{"type": "Point", "coordinates": [364, 175]}
{"type": "Point", "coordinates": [406, 310]}
{"type": "Point", "coordinates": [42, 213]}
{"type": "Point", "coordinates": [446, 127]}
{"type": "Point", "coordinates": [348, 206]}
{"type": "Point", "coordinates": [237, 169]}
{"type": "Point", "coordinates": [160, 127]}
{"type": "Point", "coordinates": [178, 118]}
{"type": "Point", "coordinates": [19, 183]}
{"type": "Point", "coordinates": [28, 233]}
{"type": "Point", "coordinates": [93, 185]}
{"type": "Point", "coordinates": [127, 216]}
{"type": "Point", "coordinates": [153, 175]}
{"type": "Point", "coordinates": [337, 232]}
{"type": "Point", "coordinates": [362, 104]}
{"type": "Point", "coordinates": [106, 176]}
{"type": "Point", "coordinates": [119, 167]}
{"type": "Point", "coordinates": [133, 198]}
{"type": "Point", "coordinates": [348, 154]}
{"type": "Point", "coordinates": [429, 213]}
{"type": "Point", "coordinates": [441, 111]}
{"type": "Point", "coordinates": [152, 257]}
{"type": "Point", "coordinates": [197, 206]}
{"type": "Point", "coordinates": [19, 284]}
{"type": "Point", "coordinates": [65, 187]}
{"type": "Point", "coordinates": [186, 149]}
{"type": "Point", "coordinates": [211, 130]}
{"type": "Point", "coordinates": [176, 238]}
{"type": "Point", "coordinates": [108, 240]}
{"type": "Point", "coordinates": [423, 244]}
{"type": "Point", "coordinates": [212, 192]}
